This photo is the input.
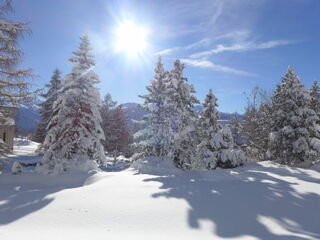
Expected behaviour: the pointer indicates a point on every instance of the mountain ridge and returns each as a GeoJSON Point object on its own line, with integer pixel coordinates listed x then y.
{"type": "Point", "coordinates": [28, 116]}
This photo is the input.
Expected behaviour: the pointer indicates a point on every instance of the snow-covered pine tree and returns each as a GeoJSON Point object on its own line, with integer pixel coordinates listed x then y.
{"type": "Point", "coordinates": [52, 137]}
{"type": "Point", "coordinates": [122, 135]}
{"type": "Point", "coordinates": [236, 129]}
{"type": "Point", "coordinates": [46, 107]}
{"type": "Point", "coordinates": [183, 119]}
{"type": "Point", "coordinates": [315, 101]}
{"type": "Point", "coordinates": [77, 133]}
{"type": "Point", "coordinates": [156, 136]}
{"type": "Point", "coordinates": [208, 128]}
{"type": "Point", "coordinates": [13, 85]}
{"type": "Point", "coordinates": [255, 126]}
{"type": "Point", "coordinates": [114, 124]}
{"type": "Point", "coordinates": [295, 131]}
{"type": "Point", "coordinates": [265, 124]}
{"type": "Point", "coordinates": [108, 122]}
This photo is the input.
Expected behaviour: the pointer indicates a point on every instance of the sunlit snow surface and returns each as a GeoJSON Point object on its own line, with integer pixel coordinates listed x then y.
{"type": "Point", "coordinates": [258, 201]}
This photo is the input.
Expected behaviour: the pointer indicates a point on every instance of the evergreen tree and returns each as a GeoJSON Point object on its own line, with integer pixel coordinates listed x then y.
{"type": "Point", "coordinates": [255, 126]}
{"type": "Point", "coordinates": [264, 129]}
{"type": "Point", "coordinates": [108, 121]}
{"type": "Point", "coordinates": [13, 85]}
{"type": "Point", "coordinates": [115, 127]}
{"type": "Point", "coordinates": [236, 129]}
{"type": "Point", "coordinates": [108, 103]}
{"type": "Point", "coordinates": [208, 128]}
{"type": "Point", "coordinates": [76, 135]}
{"type": "Point", "coordinates": [216, 148]}
{"type": "Point", "coordinates": [183, 118]}
{"type": "Point", "coordinates": [315, 101]}
{"type": "Point", "coordinates": [154, 139]}
{"type": "Point", "coordinates": [122, 136]}
{"type": "Point", "coordinates": [295, 131]}
{"type": "Point", "coordinates": [46, 107]}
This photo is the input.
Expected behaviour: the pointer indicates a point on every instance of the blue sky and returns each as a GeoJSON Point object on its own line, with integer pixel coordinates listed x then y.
{"type": "Point", "coordinates": [229, 46]}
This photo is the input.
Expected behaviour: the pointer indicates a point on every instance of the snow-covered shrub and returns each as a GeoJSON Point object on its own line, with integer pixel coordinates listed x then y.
{"type": "Point", "coordinates": [225, 154]}
{"type": "Point", "coordinates": [230, 158]}
{"type": "Point", "coordinates": [221, 152]}
{"type": "Point", "coordinates": [16, 168]}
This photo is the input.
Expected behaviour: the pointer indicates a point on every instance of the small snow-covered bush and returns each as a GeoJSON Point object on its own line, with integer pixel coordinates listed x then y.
{"type": "Point", "coordinates": [223, 153]}
{"type": "Point", "coordinates": [230, 158]}
{"type": "Point", "coordinates": [16, 168]}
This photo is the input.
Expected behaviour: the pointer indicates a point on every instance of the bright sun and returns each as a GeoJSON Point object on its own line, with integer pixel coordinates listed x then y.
{"type": "Point", "coordinates": [131, 38]}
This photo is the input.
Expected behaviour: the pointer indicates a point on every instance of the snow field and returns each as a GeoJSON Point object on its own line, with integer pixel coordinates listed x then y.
{"type": "Point", "coordinates": [258, 201]}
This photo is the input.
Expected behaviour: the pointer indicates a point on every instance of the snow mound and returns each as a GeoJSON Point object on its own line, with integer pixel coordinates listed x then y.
{"type": "Point", "coordinates": [155, 166]}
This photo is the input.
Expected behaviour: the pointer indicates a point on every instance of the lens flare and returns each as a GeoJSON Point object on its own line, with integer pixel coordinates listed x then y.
{"type": "Point", "coordinates": [131, 38]}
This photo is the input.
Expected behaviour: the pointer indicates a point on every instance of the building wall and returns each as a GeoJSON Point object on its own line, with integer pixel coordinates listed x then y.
{"type": "Point", "coordinates": [7, 127]}
{"type": "Point", "coordinates": [7, 135]}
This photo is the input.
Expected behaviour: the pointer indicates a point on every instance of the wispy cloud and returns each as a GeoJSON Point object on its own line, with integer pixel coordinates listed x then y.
{"type": "Point", "coordinates": [202, 43]}
{"type": "Point", "coordinates": [236, 36]}
{"type": "Point", "coordinates": [242, 47]}
{"type": "Point", "coordinates": [241, 43]}
{"type": "Point", "coordinates": [167, 51]}
{"type": "Point", "coordinates": [208, 64]}
{"type": "Point", "coordinates": [199, 18]}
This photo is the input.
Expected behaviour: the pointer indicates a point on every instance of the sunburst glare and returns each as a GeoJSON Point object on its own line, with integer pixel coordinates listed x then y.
{"type": "Point", "coordinates": [131, 38]}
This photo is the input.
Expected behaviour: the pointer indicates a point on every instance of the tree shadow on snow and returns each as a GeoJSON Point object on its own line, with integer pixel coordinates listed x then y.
{"type": "Point", "coordinates": [240, 201]}
{"type": "Point", "coordinates": [29, 192]}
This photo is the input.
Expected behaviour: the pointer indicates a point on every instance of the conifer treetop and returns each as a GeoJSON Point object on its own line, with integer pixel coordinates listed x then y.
{"type": "Point", "coordinates": [83, 55]}
{"type": "Point", "coordinates": [315, 87]}
{"type": "Point", "coordinates": [291, 76]}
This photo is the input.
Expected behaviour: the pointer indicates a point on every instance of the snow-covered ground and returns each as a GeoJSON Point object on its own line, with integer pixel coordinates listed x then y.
{"type": "Point", "coordinates": [258, 201]}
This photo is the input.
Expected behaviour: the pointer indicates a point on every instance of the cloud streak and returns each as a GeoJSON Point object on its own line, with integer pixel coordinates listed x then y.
{"type": "Point", "coordinates": [242, 47]}
{"type": "Point", "coordinates": [202, 43]}
{"type": "Point", "coordinates": [239, 37]}
{"type": "Point", "coordinates": [205, 42]}
{"type": "Point", "coordinates": [199, 18]}
{"type": "Point", "coordinates": [210, 65]}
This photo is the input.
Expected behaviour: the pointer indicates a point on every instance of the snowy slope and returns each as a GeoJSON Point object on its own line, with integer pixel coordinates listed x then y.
{"type": "Point", "coordinates": [258, 201]}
